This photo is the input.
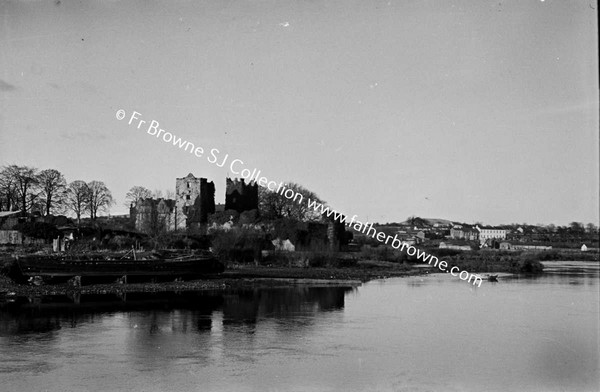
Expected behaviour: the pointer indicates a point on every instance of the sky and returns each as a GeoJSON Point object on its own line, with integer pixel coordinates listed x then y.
{"type": "Point", "coordinates": [473, 111]}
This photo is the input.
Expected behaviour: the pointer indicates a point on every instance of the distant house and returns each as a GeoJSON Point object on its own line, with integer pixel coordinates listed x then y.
{"type": "Point", "coordinates": [411, 237]}
{"type": "Point", "coordinates": [584, 248]}
{"type": "Point", "coordinates": [457, 233]}
{"type": "Point", "coordinates": [490, 233]}
{"type": "Point", "coordinates": [471, 234]}
{"type": "Point", "coordinates": [13, 237]}
{"type": "Point", "coordinates": [505, 246]}
{"type": "Point", "coordinates": [463, 231]}
{"type": "Point", "coordinates": [9, 234]}
{"type": "Point", "coordinates": [9, 219]}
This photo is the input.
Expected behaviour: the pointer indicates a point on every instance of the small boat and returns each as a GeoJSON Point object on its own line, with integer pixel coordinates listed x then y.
{"type": "Point", "coordinates": [149, 266]}
{"type": "Point", "coordinates": [492, 278]}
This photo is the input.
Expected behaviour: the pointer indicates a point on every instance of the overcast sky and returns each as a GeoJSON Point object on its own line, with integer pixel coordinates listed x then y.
{"type": "Point", "coordinates": [466, 110]}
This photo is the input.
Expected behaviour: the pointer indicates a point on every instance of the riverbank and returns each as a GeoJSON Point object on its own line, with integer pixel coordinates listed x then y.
{"type": "Point", "coordinates": [238, 276]}
{"type": "Point", "coordinates": [235, 277]}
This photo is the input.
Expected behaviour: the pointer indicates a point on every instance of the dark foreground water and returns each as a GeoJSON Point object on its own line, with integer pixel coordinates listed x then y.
{"type": "Point", "coordinates": [413, 334]}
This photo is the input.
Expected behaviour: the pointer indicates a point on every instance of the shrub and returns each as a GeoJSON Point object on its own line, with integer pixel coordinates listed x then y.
{"type": "Point", "coordinates": [383, 253]}
{"type": "Point", "coordinates": [344, 262]}
{"type": "Point", "coordinates": [238, 245]}
{"type": "Point", "coordinates": [529, 262]}
{"type": "Point", "coordinates": [443, 252]}
{"type": "Point", "coordinates": [548, 255]}
{"type": "Point", "coordinates": [317, 260]}
{"type": "Point", "coordinates": [530, 266]}
{"type": "Point", "coordinates": [120, 242]}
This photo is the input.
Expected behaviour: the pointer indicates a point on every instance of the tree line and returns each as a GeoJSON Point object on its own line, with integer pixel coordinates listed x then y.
{"type": "Point", "coordinates": [28, 189]}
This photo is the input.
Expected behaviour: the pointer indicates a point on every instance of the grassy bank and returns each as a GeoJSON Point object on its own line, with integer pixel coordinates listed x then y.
{"type": "Point", "coordinates": [508, 261]}
{"type": "Point", "coordinates": [496, 261]}
{"type": "Point", "coordinates": [568, 255]}
{"type": "Point", "coordinates": [471, 261]}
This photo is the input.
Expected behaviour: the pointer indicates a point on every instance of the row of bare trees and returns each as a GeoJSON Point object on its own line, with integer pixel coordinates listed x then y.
{"type": "Point", "coordinates": [28, 189]}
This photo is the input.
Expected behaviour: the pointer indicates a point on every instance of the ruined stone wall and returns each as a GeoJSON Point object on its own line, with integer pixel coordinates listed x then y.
{"type": "Point", "coordinates": [152, 215]}
{"type": "Point", "coordinates": [144, 215]}
{"type": "Point", "coordinates": [207, 199]}
{"type": "Point", "coordinates": [187, 190]}
{"type": "Point", "coordinates": [336, 234]}
{"type": "Point", "coordinates": [240, 196]}
{"type": "Point", "coordinates": [166, 214]}
{"type": "Point", "coordinates": [132, 214]}
{"type": "Point", "coordinates": [197, 214]}
{"type": "Point", "coordinates": [195, 199]}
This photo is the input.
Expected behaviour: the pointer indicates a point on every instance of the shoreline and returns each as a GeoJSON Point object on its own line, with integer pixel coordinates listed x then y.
{"type": "Point", "coordinates": [245, 277]}
{"type": "Point", "coordinates": [241, 277]}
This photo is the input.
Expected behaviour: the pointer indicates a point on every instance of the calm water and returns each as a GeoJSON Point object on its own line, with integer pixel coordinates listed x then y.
{"type": "Point", "coordinates": [413, 334]}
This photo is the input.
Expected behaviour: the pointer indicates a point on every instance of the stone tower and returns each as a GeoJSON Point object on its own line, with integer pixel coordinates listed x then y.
{"type": "Point", "coordinates": [195, 199]}
{"type": "Point", "coordinates": [240, 196]}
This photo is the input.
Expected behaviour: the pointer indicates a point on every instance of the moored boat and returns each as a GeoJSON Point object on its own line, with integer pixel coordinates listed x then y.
{"type": "Point", "coordinates": [139, 267]}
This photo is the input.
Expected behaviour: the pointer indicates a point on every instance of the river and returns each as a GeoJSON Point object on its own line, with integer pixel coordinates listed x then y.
{"type": "Point", "coordinates": [425, 333]}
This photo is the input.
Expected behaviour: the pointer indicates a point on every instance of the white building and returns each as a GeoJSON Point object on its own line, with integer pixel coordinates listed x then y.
{"type": "Point", "coordinates": [490, 233]}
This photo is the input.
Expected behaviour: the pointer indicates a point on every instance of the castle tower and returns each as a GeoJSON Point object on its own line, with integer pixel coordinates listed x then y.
{"type": "Point", "coordinates": [240, 196]}
{"type": "Point", "coordinates": [194, 200]}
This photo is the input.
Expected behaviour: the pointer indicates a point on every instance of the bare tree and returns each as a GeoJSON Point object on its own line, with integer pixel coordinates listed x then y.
{"type": "Point", "coordinates": [52, 186]}
{"type": "Point", "coordinates": [273, 205]}
{"type": "Point", "coordinates": [25, 182]}
{"type": "Point", "coordinates": [77, 198]}
{"type": "Point", "coordinates": [8, 190]}
{"type": "Point", "coordinates": [170, 194]}
{"type": "Point", "coordinates": [100, 198]}
{"type": "Point", "coordinates": [159, 194]}
{"type": "Point", "coordinates": [136, 193]}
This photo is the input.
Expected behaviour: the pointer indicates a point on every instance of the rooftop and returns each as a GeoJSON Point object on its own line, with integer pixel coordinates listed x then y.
{"type": "Point", "coordinates": [4, 214]}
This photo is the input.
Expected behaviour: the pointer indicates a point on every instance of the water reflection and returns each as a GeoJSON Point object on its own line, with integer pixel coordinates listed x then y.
{"type": "Point", "coordinates": [176, 312]}
{"type": "Point", "coordinates": [574, 273]}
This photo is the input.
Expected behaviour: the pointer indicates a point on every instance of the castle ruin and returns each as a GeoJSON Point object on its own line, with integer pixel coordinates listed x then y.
{"type": "Point", "coordinates": [195, 200]}
{"type": "Point", "coordinates": [240, 196]}
{"type": "Point", "coordinates": [154, 215]}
